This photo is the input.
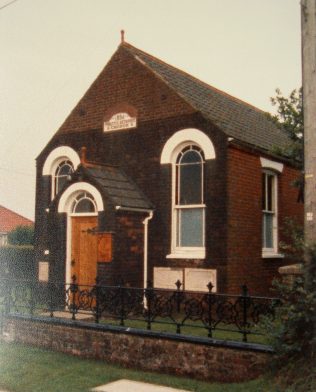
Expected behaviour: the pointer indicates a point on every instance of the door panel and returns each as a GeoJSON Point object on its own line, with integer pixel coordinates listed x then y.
{"type": "Point", "coordinates": [84, 249]}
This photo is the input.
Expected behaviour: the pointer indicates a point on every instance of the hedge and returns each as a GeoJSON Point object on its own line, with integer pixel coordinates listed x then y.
{"type": "Point", "coordinates": [17, 262]}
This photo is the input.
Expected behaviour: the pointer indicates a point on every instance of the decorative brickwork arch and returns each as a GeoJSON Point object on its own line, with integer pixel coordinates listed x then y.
{"type": "Point", "coordinates": [120, 108]}
{"type": "Point", "coordinates": [189, 135]}
{"type": "Point", "coordinates": [67, 198]}
{"type": "Point", "coordinates": [62, 161]}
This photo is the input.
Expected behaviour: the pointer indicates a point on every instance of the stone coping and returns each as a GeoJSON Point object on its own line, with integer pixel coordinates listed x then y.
{"type": "Point", "coordinates": [294, 269]}
{"type": "Point", "coordinates": [147, 333]}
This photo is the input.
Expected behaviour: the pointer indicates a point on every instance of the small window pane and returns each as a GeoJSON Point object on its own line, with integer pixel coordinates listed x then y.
{"type": "Point", "coordinates": [191, 184]}
{"type": "Point", "coordinates": [267, 230]}
{"type": "Point", "coordinates": [84, 205]}
{"type": "Point", "coordinates": [263, 191]}
{"type": "Point", "coordinates": [190, 227]}
{"type": "Point", "coordinates": [191, 157]}
{"type": "Point", "coordinates": [60, 183]}
{"type": "Point", "coordinates": [65, 170]}
{"type": "Point", "coordinates": [269, 193]}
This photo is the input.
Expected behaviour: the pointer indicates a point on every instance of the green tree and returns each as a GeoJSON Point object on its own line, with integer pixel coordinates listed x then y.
{"type": "Point", "coordinates": [289, 117]}
{"type": "Point", "coordinates": [21, 235]}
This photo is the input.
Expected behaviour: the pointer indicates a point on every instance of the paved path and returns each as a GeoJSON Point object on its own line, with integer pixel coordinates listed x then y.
{"type": "Point", "coordinates": [134, 386]}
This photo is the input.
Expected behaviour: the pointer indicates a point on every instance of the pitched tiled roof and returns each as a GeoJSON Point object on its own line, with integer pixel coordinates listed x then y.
{"type": "Point", "coordinates": [236, 118]}
{"type": "Point", "coordinates": [9, 220]}
{"type": "Point", "coordinates": [121, 190]}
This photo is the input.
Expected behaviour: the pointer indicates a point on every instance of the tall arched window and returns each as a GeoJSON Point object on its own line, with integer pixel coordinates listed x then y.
{"type": "Point", "coordinates": [187, 150]}
{"type": "Point", "coordinates": [189, 208]}
{"type": "Point", "coordinates": [62, 172]}
{"type": "Point", "coordinates": [59, 164]}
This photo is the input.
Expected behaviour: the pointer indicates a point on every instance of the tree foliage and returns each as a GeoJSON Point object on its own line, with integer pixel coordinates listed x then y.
{"type": "Point", "coordinates": [293, 333]}
{"type": "Point", "coordinates": [21, 235]}
{"type": "Point", "coordinates": [289, 117]}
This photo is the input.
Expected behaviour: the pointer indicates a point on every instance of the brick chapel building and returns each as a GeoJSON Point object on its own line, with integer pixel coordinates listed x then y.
{"type": "Point", "coordinates": [157, 175]}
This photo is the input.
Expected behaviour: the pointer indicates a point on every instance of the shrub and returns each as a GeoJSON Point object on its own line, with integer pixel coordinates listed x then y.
{"type": "Point", "coordinates": [21, 235]}
{"type": "Point", "coordinates": [294, 335]}
{"type": "Point", "coordinates": [17, 262]}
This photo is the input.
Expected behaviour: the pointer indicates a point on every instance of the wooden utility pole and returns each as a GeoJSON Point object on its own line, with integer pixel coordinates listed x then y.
{"type": "Point", "coordinates": [308, 20]}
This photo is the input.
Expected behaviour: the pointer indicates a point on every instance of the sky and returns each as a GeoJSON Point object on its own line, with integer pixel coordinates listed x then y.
{"type": "Point", "coordinates": [52, 50]}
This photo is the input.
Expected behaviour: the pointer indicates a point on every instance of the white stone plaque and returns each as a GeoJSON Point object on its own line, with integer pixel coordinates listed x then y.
{"type": "Point", "coordinates": [166, 278]}
{"type": "Point", "coordinates": [120, 121]}
{"type": "Point", "coordinates": [43, 271]}
{"type": "Point", "coordinates": [197, 279]}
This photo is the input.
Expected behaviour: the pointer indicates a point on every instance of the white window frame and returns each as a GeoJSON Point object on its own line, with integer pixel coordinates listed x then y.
{"type": "Point", "coordinates": [174, 145]}
{"type": "Point", "coordinates": [177, 207]}
{"type": "Point", "coordinates": [76, 201]}
{"type": "Point", "coordinates": [273, 212]}
{"type": "Point", "coordinates": [275, 169]}
{"type": "Point", "coordinates": [54, 159]}
{"type": "Point", "coordinates": [55, 176]}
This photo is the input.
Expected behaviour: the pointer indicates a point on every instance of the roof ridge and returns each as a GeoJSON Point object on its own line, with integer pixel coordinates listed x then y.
{"type": "Point", "coordinates": [128, 45]}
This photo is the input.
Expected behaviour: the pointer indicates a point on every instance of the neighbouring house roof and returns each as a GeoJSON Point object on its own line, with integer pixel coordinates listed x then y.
{"type": "Point", "coordinates": [236, 118]}
{"type": "Point", "coordinates": [9, 220]}
{"type": "Point", "coordinates": [120, 189]}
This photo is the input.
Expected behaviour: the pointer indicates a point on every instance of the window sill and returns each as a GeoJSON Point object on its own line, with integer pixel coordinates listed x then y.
{"type": "Point", "coordinates": [187, 254]}
{"type": "Point", "coordinates": [266, 255]}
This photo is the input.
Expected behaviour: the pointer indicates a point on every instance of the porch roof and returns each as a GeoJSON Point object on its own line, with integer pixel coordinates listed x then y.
{"type": "Point", "coordinates": [121, 189]}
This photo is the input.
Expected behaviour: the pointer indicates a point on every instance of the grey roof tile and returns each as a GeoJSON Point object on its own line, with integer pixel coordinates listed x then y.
{"type": "Point", "coordinates": [118, 187]}
{"type": "Point", "coordinates": [236, 118]}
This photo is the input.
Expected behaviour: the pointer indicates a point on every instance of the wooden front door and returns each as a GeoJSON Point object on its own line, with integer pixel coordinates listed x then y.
{"type": "Point", "coordinates": [84, 249]}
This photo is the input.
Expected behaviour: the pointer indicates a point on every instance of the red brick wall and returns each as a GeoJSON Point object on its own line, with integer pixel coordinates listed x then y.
{"type": "Point", "coordinates": [125, 80]}
{"type": "Point", "coordinates": [245, 263]}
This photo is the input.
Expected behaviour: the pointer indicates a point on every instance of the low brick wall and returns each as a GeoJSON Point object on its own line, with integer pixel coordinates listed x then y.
{"type": "Point", "coordinates": [199, 358]}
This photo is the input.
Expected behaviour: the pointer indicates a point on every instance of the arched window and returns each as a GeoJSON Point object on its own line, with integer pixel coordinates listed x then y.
{"type": "Point", "coordinates": [187, 150]}
{"type": "Point", "coordinates": [84, 203]}
{"type": "Point", "coordinates": [59, 164]}
{"type": "Point", "coordinates": [62, 173]}
{"type": "Point", "coordinates": [189, 200]}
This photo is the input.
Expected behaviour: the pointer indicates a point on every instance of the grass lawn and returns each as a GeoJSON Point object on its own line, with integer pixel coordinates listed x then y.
{"type": "Point", "coordinates": [223, 332]}
{"type": "Point", "coordinates": [29, 369]}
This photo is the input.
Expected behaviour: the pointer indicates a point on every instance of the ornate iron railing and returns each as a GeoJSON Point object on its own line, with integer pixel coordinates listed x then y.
{"type": "Point", "coordinates": [176, 310]}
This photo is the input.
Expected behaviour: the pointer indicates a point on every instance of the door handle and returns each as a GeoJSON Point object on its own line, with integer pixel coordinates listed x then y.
{"type": "Point", "coordinates": [73, 262]}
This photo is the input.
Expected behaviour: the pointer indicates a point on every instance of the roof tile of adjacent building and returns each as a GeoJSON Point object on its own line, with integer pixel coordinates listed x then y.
{"type": "Point", "coordinates": [236, 118]}
{"type": "Point", "coordinates": [9, 220]}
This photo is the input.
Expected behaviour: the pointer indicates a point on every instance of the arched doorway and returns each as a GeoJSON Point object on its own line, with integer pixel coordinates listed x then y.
{"type": "Point", "coordinates": [81, 202]}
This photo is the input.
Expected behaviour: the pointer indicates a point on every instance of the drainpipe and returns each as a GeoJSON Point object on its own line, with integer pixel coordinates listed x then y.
{"type": "Point", "coordinates": [145, 223]}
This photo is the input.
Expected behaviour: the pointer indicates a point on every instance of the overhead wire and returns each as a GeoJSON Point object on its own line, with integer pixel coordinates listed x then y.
{"type": "Point", "coordinates": [16, 171]}
{"type": "Point", "coordinates": [7, 5]}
